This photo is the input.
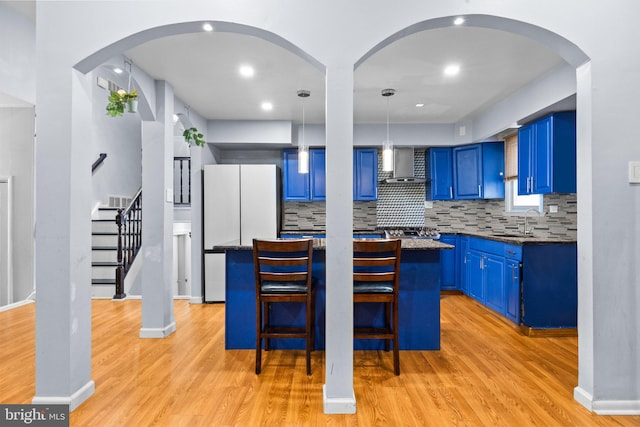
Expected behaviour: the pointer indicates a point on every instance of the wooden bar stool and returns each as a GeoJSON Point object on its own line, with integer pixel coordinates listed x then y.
{"type": "Point", "coordinates": [283, 275]}
{"type": "Point", "coordinates": [376, 273]}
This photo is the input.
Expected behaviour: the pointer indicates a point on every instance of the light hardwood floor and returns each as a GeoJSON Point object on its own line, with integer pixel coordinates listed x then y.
{"type": "Point", "coordinates": [486, 374]}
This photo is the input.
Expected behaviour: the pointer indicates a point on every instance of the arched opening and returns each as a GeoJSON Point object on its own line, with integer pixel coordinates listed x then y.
{"type": "Point", "coordinates": [567, 62]}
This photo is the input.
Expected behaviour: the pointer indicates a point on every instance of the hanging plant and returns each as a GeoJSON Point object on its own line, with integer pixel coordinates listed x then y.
{"type": "Point", "coordinates": [121, 98]}
{"type": "Point", "coordinates": [192, 135]}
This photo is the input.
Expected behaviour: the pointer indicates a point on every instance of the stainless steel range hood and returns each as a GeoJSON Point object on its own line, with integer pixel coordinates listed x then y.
{"type": "Point", "coordinates": [403, 172]}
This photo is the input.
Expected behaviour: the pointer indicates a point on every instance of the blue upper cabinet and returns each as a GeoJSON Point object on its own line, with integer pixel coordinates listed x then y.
{"type": "Point", "coordinates": [547, 155]}
{"type": "Point", "coordinates": [295, 185]}
{"type": "Point", "coordinates": [441, 173]}
{"type": "Point", "coordinates": [317, 174]}
{"type": "Point", "coordinates": [467, 172]}
{"type": "Point", "coordinates": [365, 174]}
{"type": "Point", "coordinates": [478, 171]}
{"type": "Point", "coordinates": [312, 186]}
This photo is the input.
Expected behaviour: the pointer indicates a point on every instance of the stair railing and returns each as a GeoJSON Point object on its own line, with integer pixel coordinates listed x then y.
{"type": "Point", "coordinates": [129, 222]}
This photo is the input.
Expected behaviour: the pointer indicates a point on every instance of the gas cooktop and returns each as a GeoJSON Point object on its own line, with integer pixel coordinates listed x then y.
{"type": "Point", "coordinates": [412, 233]}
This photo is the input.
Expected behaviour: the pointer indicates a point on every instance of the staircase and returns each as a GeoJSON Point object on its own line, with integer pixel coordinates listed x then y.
{"type": "Point", "coordinates": [104, 253]}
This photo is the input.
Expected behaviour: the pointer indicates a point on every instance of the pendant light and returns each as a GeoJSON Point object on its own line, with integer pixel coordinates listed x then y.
{"type": "Point", "coordinates": [303, 148]}
{"type": "Point", "coordinates": [387, 144]}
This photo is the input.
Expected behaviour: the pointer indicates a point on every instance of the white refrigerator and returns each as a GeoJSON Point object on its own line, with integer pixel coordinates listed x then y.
{"type": "Point", "coordinates": [241, 202]}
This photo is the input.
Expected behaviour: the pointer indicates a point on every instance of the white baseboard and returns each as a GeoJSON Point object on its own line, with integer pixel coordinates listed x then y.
{"type": "Point", "coordinates": [158, 332]}
{"type": "Point", "coordinates": [195, 300]}
{"type": "Point", "coordinates": [583, 397]}
{"type": "Point", "coordinates": [338, 405]}
{"type": "Point", "coordinates": [606, 407]}
{"type": "Point", "coordinates": [616, 407]}
{"type": "Point", "coordinates": [73, 401]}
{"type": "Point", "coordinates": [15, 305]}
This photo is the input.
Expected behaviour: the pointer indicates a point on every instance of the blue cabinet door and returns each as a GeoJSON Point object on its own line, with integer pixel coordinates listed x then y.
{"type": "Point", "coordinates": [474, 276]}
{"type": "Point", "coordinates": [467, 172]}
{"type": "Point", "coordinates": [365, 171]}
{"type": "Point", "coordinates": [462, 250]}
{"type": "Point", "coordinates": [547, 155]}
{"type": "Point", "coordinates": [448, 264]}
{"type": "Point", "coordinates": [525, 158]}
{"type": "Point", "coordinates": [492, 170]}
{"type": "Point", "coordinates": [317, 174]}
{"type": "Point", "coordinates": [494, 285]}
{"type": "Point", "coordinates": [541, 179]}
{"type": "Point", "coordinates": [441, 173]}
{"type": "Point", "coordinates": [512, 279]}
{"type": "Point", "coordinates": [295, 185]}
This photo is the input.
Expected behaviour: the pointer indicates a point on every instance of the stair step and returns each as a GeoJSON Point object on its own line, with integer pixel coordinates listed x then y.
{"type": "Point", "coordinates": [104, 264]}
{"type": "Point", "coordinates": [103, 281]}
{"type": "Point", "coordinates": [104, 248]}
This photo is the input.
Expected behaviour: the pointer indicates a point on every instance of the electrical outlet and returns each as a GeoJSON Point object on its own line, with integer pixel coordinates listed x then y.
{"type": "Point", "coordinates": [553, 208]}
{"type": "Point", "coordinates": [428, 204]}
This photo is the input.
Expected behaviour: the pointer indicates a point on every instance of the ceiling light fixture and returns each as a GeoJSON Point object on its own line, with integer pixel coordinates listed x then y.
{"type": "Point", "coordinates": [451, 70]}
{"type": "Point", "coordinates": [419, 105]}
{"type": "Point", "coordinates": [387, 144]}
{"type": "Point", "coordinates": [118, 70]}
{"type": "Point", "coordinates": [267, 106]}
{"type": "Point", "coordinates": [458, 21]}
{"type": "Point", "coordinates": [303, 148]}
{"type": "Point", "coordinates": [207, 27]}
{"type": "Point", "coordinates": [246, 71]}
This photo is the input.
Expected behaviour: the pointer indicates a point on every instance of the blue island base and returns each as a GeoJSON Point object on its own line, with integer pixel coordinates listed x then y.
{"type": "Point", "coordinates": [419, 304]}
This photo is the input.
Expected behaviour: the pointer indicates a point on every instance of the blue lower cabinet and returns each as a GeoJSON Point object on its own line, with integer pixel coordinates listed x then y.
{"type": "Point", "coordinates": [449, 264]}
{"type": "Point", "coordinates": [494, 286]}
{"type": "Point", "coordinates": [512, 280]}
{"type": "Point", "coordinates": [475, 285]}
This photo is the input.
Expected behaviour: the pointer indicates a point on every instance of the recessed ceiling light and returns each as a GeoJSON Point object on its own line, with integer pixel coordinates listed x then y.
{"type": "Point", "coordinates": [246, 71]}
{"type": "Point", "coordinates": [117, 70]}
{"type": "Point", "coordinates": [420, 105]}
{"type": "Point", "coordinates": [451, 70]}
{"type": "Point", "coordinates": [267, 106]}
{"type": "Point", "coordinates": [458, 21]}
{"type": "Point", "coordinates": [207, 27]}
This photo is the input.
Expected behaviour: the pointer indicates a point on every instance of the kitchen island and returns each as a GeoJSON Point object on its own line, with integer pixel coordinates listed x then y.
{"type": "Point", "coordinates": [419, 299]}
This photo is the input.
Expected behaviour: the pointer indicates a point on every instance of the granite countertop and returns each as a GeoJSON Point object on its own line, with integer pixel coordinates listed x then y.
{"type": "Point", "coordinates": [408, 244]}
{"type": "Point", "coordinates": [514, 237]}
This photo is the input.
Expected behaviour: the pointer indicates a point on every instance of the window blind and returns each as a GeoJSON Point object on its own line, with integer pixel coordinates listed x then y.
{"type": "Point", "coordinates": [511, 157]}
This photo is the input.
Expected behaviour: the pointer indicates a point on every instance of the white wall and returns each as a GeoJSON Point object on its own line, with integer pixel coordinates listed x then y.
{"type": "Point", "coordinates": [17, 55]}
{"type": "Point", "coordinates": [16, 160]}
{"type": "Point", "coordinates": [120, 138]}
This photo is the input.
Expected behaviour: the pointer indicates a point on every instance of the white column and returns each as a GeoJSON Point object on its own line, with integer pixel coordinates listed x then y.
{"type": "Point", "coordinates": [63, 235]}
{"type": "Point", "coordinates": [338, 394]}
{"type": "Point", "coordinates": [196, 224]}
{"type": "Point", "coordinates": [157, 218]}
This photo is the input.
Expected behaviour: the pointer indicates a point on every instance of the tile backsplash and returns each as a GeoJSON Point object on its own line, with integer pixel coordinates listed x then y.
{"type": "Point", "coordinates": [490, 216]}
{"type": "Point", "coordinates": [311, 216]}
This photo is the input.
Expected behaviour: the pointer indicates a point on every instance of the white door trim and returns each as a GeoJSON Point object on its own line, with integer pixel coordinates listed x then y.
{"type": "Point", "coordinates": [6, 265]}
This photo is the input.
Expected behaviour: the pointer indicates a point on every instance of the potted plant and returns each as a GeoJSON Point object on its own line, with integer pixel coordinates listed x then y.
{"type": "Point", "coordinates": [192, 135]}
{"type": "Point", "coordinates": [121, 98]}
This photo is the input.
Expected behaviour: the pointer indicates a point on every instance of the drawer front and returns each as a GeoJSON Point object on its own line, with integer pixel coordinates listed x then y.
{"type": "Point", "coordinates": [512, 251]}
{"type": "Point", "coordinates": [494, 247]}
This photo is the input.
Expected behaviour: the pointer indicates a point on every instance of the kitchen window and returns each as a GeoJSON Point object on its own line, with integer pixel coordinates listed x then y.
{"type": "Point", "coordinates": [514, 202]}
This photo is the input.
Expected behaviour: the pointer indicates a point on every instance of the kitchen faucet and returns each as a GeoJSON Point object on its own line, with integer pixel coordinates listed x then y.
{"type": "Point", "coordinates": [528, 230]}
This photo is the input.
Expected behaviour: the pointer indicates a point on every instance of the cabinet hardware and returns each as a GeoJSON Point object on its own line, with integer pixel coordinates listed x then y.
{"type": "Point", "coordinates": [451, 192]}
{"type": "Point", "coordinates": [479, 190]}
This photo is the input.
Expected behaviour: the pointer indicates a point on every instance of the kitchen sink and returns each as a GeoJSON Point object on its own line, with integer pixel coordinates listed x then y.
{"type": "Point", "coordinates": [518, 235]}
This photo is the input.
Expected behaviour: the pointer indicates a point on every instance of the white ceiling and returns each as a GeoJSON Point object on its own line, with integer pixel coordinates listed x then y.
{"type": "Point", "coordinates": [203, 70]}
